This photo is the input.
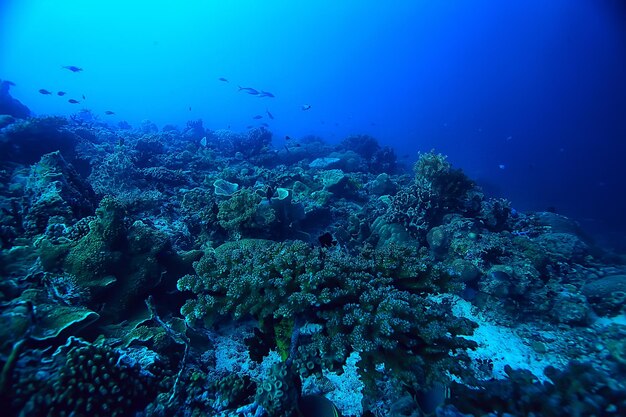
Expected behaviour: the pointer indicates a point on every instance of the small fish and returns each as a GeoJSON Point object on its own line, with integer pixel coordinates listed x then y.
{"type": "Point", "coordinates": [326, 240]}
{"type": "Point", "coordinates": [269, 193]}
{"type": "Point", "coordinates": [109, 112]}
{"type": "Point", "coordinates": [270, 115]}
{"type": "Point", "coordinates": [257, 117]}
{"type": "Point", "coordinates": [223, 79]}
{"type": "Point", "coordinates": [61, 93]}
{"type": "Point", "coordinates": [253, 93]}
{"type": "Point", "coordinates": [317, 406]}
{"type": "Point", "coordinates": [84, 98]}
{"type": "Point", "coordinates": [287, 137]}
{"type": "Point", "coordinates": [72, 101]}
{"type": "Point", "coordinates": [203, 142]}
{"type": "Point", "coordinates": [265, 125]}
{"type": "Point", "coordinates": [306, 107]}
{"type": "Point", "coordinates": [72, 68]}
{"type": "Point", "coordinates": [249, 127]}
{"type": "Point", "coordinates": [266, 94]}
{"type": "Point", "coordinates": [44, 91]}
{"type": "Point", "coordinates": [502, 166]}
{"type": "Point", "coordinates": [189, 108]}
{"type": "Point", "coordinates": [248, 90]}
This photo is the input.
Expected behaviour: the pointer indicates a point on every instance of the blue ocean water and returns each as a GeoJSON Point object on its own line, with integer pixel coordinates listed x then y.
{"type": "Point", "coordinates": [528, 97]}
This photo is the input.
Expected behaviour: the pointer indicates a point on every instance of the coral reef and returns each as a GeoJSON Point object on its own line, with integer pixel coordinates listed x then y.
{"type": "Point", "coordinates": [369, 302]}
{"type": "Point", "coordinates": [9, 105]}
{"type": "Point", "coordinates": [577, 390]}
{"type": "Point", "coordinates": [307, 275]}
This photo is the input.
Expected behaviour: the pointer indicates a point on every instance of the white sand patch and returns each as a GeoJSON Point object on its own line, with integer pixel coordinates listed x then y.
{"type": "Point", "coordinates": [502, 345]}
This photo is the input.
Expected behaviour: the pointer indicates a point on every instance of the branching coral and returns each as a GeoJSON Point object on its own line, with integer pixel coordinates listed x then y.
{"type": "Point", "coordinates": [371, 302]}
{"type": "Point", "coordinates": [438, 189]}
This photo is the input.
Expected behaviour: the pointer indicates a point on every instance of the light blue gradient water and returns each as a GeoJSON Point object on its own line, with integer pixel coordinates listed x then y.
{"type": "Point", "coordinates": [535, 87]}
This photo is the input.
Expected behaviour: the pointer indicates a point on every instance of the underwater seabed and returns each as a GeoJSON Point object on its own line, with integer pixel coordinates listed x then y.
{"type": "Point", "coordinates": [190, 272]}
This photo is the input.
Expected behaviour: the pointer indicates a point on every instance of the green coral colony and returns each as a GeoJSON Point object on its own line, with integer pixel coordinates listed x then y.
{"type": "Point", "coordinates": [195, 272]}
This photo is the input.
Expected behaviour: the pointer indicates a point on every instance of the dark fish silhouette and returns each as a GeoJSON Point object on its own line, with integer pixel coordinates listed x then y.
{"type": "Point", "coordinates": [326, 240]}
{"type": "Point", "coordinates": [270, 115]}
{"type": "Point", "coordinates": [287, 137]}
{"type": "Point", "coordinates": [72, 101]}
{"type": "Point", "coordinates": [317, 406]}
{"type": "Point", "coordinates": [72, 68]}
{"type": "Point", "coordinates": [44, 91]}
{"type": "Point", "coordinates": [61, 93]}
{"type": "Point", "coordinates": [269, 193]}
{"type": "Point", "coordinates": [265, 125]}
{"type": "Point", "coordinates": [109, 112]}
{"type": "Point", "coordinates": [84, 98]}
{"type": "Point", "coordinates": [223, 79]}
{"type": "Point", "coordinates": [266, 94]}
{"type": "Point", "coordinates": [306, 107]}
{"type": "Point", "coordinates": [257, 117]}
{"type": "Point", "coordinates": [249, 90]}
{"type": "Point", "coordinates": [189, 108]}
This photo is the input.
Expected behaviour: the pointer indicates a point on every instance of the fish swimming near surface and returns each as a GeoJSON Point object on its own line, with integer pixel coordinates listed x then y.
{"type": "Point", "coordinates": [266, 94]}
{"type": "Point", "coordinates": [72, 101]}
{"type": "Point", "coordinates": [249, 90]}
{"type": "Point", "coordinates": [72, 68]}
{"type": "Point", "coordinates": [109, 112]}
{"type": "Point", "coordinates": [257, 117]}
{"type": "Point", "coordinates": [44, 91]}
{"type": "Point", "coordinates": [270, 115]}
{"type": "Point", "coordinates": [61, 93]}
{"type": "Point", "coordinates": [223, 79]}
{"type": "Point", "coordinates": [84, 98]}
{"type": "Point", "coordinates": [306, 107]}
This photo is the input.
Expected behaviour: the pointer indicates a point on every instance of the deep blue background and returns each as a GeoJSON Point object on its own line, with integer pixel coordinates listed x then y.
{"type": "Point", "coordinates": [527, 96]}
